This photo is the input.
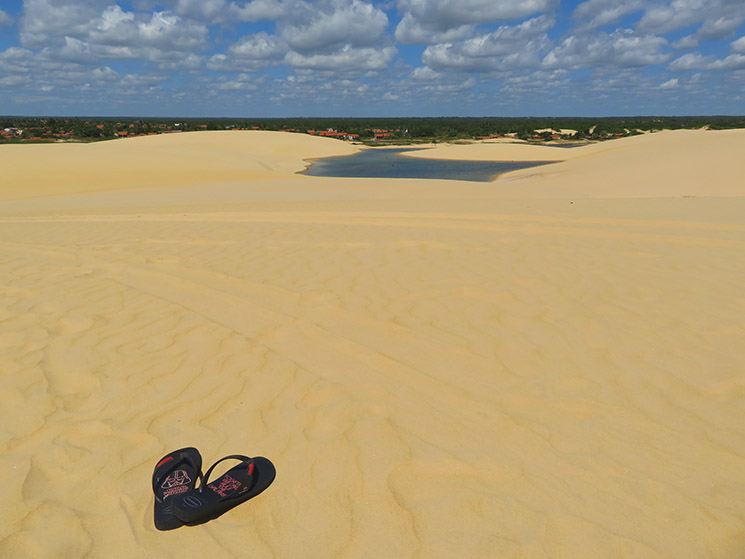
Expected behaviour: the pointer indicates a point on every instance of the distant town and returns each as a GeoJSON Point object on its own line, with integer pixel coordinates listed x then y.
{"type": "Point", "coordinates": [374, 131]}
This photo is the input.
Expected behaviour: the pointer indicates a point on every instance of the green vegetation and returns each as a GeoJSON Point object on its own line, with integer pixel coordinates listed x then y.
{"type": "Point", "coordinates": [378, 130]}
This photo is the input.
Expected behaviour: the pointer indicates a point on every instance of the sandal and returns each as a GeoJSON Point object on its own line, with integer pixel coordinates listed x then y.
{"type": "Point", "coordinates": [236, 486]}
{"type": "Point", "coordinates": [175, 474]}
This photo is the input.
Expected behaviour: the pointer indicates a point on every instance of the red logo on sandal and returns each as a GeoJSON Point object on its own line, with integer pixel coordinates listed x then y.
{"type": "Point", "coordinates": [227, 485]}
{"type": "Point", "coordinates": [166, 459]}
{"type": "Point", "coordinates": [176, 483]}
{"type": "Point", "coordinates": [178, 477]}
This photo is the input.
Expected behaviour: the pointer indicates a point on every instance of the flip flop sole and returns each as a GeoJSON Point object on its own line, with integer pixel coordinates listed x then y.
{"type": "Point", "coordinates": [176, 473]}
{"type": "Point", "coordinates": [164, 518]}
{"type": "Point", "coordinates": [192, 509]}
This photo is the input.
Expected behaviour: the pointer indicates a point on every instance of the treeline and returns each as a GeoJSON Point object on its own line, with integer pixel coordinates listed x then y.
{"type": "Point", "coordinates": [469, 128]}
{"type": "Point", "coordinates": [396, 129]}
{"type": "Point", "coordinates": [83, 129]}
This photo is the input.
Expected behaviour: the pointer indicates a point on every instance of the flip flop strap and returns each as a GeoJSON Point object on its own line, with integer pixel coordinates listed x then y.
{"type": "Point", "coordinates": [206, 477]}
{"type": "Point", "coordinates": [184, 459]}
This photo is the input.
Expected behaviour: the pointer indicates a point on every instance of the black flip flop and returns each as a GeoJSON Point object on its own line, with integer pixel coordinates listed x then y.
{"type": "Point", "coordinates": [236, 486]}
{"type": "Point", "coordinates": [175, 474]}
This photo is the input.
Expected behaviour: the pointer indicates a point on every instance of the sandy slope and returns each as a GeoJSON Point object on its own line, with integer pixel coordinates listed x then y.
{"type": "Point", "coordinates": [168, 159]}
{"type": "Point", "coordinates": [437, 369]}
{"type": "Point", "coordinates": [669, 163]}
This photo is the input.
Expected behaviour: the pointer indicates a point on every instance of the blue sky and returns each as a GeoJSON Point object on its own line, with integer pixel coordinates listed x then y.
{"type": "Point", "coordinates": [372, 58]}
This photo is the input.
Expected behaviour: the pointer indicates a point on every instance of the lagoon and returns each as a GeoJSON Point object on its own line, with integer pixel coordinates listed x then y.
{"type": "Point", "coordinates": [389, 163]}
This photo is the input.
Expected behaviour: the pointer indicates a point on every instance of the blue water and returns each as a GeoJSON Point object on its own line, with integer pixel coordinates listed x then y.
{"type": "Point", "coordinates": [388, 163]}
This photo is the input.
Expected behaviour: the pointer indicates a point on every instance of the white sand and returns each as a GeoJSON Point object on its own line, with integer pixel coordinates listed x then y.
{"type": "Point", "coordinates": [550, 365]}
{"type": "Point", "coordinates": [670, 163]}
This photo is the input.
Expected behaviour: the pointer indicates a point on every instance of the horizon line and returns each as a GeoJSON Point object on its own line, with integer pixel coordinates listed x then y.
{"type": "Point", "coordinates": [171, 117]}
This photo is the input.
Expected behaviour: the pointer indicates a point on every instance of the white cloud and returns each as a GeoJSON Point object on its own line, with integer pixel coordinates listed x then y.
{"type": "Point", "coordinates": [347, 59]}
{"type": "Point", "coordinates": [711, 29]}
{"type": "Point", "coordinates": [603, 12]}
{"type": "Point", "coordinates": [12, 81]}
{"type": "Point", "coordinates": [507, 47]}
{"type": "Point", "coordinates": [219, 11]}
{"type": "Point", "coordinates": [691, 61]}
{"type": "Point", "coordinates": [5, 19]}
{"type": "Point", "coordinates": [449, 13]}
{"type": "Point", "coordinates": [166, 31]}
{"type": "Point", "coordinates": [45, 20]}
{"type": "Point", "coordinates": [622, 48]}
{"type": "Point", "coordinates": [344, 22]}
{"type": "Point", "coordinates": [112, 17]}
{"type": "Point", "coordinates": [261, 10]}
{"type": "Point", "coordinates": [722, 27]}
{"type": "Point", "coordinates": [331, 35]}
{"type": "Point", "coordinates": [105, 74]}
{"type": "Point", "coordinates": [206, 10]}
{"type": "Point", "coordinates": [506, 39]}
{"type": "Point", "coordinates": [26, 70]}
{"type": "Point", "coordinates": [732, 62]}
{"type": "Point", "coordinates": [696, 61]}
{"type": "Point", "coordinates": [665, 18]}
{"type": "Point", "coordinates": [687, 42]}
{"type": "Point", "coordinates": [738, 46]}
{"type": "Point", "coordinates": [242, 83]}
{"type": "Point", "coordinates": [260, 46]}
{"type": "Point", "coordinates": [432, 21]}
{"type": "Point", "coordinates": [223, 63]}
{"type": "Point", "coordinates": [426, 74]}
{"type": "Point", "coordinates": [179, 62]}
{"type": "Point", "coordinates": [16, 60]}
{"type": "Point", "coordinates": [519, 86]}
{"type": "Point", "coordinates": [96, 30]}
{"type": "Point", "coordinates": [675, 14]}
{"type": "Point", "coordinates": [670, 84]}
{"type": "Point", "coordinates": [412, 32]}
{"type": "Point", "coordinates": [140, 80]}
{"type": "Point", "coordinates": [251, 53]}
{"type": "Point", "coordinates": [73, 50]}
{"type": "Point", "coordinates": [452, 87]}
{"type": "Point", "coordinates": [162, 31]}
{"type": "Point", "coordinates": [82, 52]}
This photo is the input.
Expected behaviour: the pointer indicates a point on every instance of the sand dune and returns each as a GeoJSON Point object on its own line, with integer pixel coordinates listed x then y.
{"type": "Point", "coordinates": [543, 366]}
{"type": "Point", "coordinates": [162, 160]}
{"type": "Point", "coordinates": [668, 163]}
